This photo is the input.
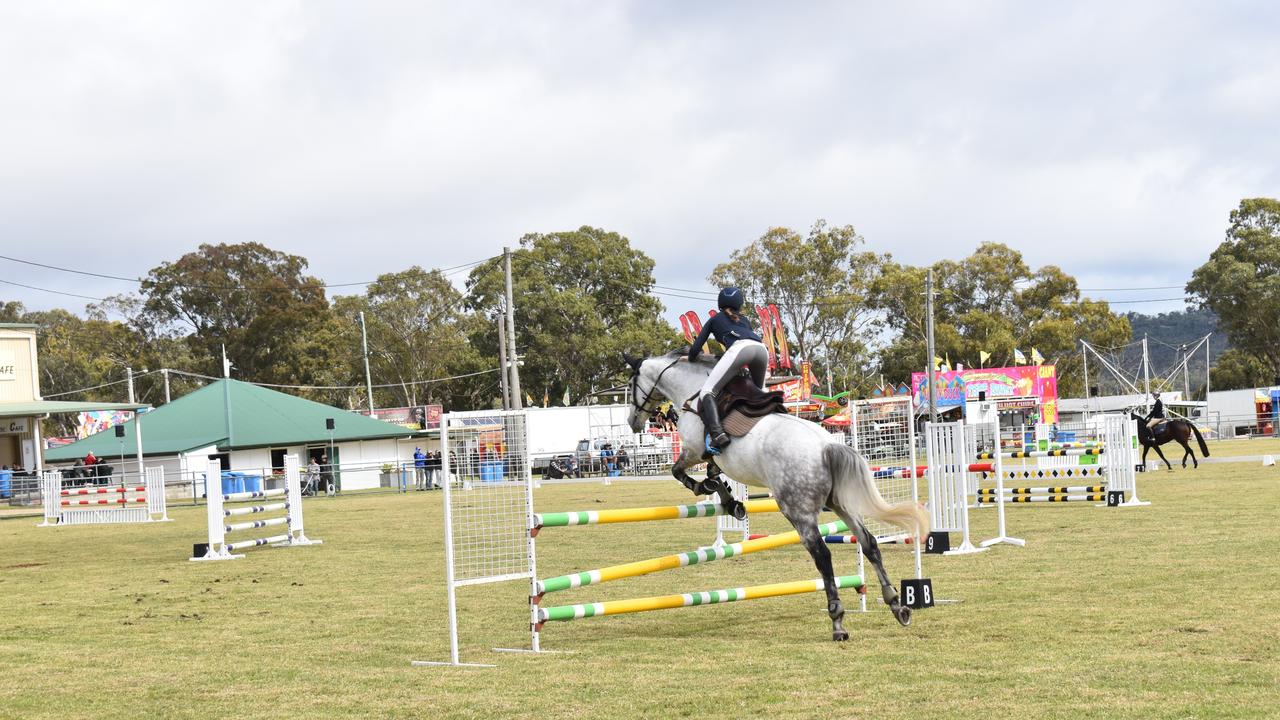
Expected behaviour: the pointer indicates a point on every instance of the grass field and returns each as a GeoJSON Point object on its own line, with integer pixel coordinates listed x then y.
{"type": "Point", "coordinates": [1168, 611]}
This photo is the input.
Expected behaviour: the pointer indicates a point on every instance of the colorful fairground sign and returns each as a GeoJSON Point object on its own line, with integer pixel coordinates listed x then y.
{"type": "Point", "coordinates": [955, 388]}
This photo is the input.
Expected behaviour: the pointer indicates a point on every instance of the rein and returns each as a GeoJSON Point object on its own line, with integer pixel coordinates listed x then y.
{"type": "Point", "coordinates": [635, 388]}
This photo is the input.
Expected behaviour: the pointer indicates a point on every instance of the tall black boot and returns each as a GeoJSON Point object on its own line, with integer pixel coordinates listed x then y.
{"type": "Point", "coordinates": [717, 439]}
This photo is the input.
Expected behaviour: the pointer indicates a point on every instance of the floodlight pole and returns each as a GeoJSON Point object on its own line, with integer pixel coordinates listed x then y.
{"type": "Point", "coordinates": [929, 350]}
{"type": "Point", "coordinates": [1146, 373]}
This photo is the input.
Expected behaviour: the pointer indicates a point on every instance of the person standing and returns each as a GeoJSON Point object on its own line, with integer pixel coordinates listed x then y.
{"type": "Point", "coordinates": [420, 469]}
{"type": "Point", "coordinates": [313, 476]}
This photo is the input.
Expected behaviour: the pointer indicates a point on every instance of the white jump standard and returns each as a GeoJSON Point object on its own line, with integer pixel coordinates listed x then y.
{"type": "Point", "coordinates": [94, 505]}
{"type": "Point", "coordinates": [219, 548]}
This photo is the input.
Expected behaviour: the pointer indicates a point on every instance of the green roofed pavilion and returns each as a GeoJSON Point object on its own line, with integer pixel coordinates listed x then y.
{"type": "Point", "coordinates": [232, 415]}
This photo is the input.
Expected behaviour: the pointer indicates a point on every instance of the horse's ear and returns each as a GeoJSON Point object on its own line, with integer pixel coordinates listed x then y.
{"type": "Point", "coordinates": [633, 362]}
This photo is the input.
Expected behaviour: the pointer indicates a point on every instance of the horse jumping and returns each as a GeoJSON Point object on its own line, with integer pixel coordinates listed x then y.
{"type": "Point", "coordinates": [804, 466]}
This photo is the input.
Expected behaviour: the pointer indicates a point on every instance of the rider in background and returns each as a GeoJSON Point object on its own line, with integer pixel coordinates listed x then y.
{"type": "Point", "coordinates": [1157, 412]}
{"type": "Point", "coordinates": [742, 348]}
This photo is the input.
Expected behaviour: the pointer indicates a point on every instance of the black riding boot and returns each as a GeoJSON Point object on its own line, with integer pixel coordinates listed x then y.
{"type": "Point", "coordinates": [717, 439]}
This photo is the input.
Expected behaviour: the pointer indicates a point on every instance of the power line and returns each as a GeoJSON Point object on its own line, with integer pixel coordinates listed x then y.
{"type": "Point", "coordinates": [444, 271]}
{"type": "Point", "coordinates": [55, 292]}
{"type": "Point", "coordinates": [1121, 289]}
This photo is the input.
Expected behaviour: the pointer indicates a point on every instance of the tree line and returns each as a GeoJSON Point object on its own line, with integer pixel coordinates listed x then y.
{"type": "Point", "coordinates": [585, 296]}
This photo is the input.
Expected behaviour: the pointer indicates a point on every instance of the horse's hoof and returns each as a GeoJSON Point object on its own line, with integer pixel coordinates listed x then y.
{"type": "Point", "coordinates": [839, 635]}
{"type": "Point", "coordinates": [903, 614]}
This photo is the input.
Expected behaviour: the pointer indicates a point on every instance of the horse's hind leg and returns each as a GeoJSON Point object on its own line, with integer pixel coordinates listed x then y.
{"type": "Point", "coordinates": [807, 527]}
{"type": "Point", "coordinates": [1190, 453]}
{"type": "Point", "coordinates": [871, 549]}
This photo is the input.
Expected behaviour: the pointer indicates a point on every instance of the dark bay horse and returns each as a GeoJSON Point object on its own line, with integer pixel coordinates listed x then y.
{"type": "Point", "coordinates": [1175, 429]}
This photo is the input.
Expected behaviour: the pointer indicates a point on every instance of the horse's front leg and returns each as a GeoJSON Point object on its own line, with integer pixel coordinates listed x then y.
{"type": "Point", "coordinates": [1162, 457]}
{"type": "Point", "coordinates": [697, 487]}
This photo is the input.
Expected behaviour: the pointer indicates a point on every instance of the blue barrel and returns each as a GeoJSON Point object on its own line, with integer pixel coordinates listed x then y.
{"type": "Point", "coordinates": [252, 483]}
{"type": "Point", "coordinates": [1066, 436]}
{"type": "Point", "coordinates": [6, 483]}
{"type": "Point", "coordinates": [232, 482]}
{"type": "Point", "coordinates": [491, 472]}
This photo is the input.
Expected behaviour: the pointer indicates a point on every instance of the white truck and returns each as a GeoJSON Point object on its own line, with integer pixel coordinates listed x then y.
{"type": "Point", "coordinates": [578, 432]}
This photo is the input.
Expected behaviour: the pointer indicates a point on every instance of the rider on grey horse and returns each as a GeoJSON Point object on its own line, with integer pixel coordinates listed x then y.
{"type": "Point", "coordinates": [742, 348]}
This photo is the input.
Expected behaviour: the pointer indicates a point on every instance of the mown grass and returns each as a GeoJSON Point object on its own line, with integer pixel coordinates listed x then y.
{"type": "Point", "coordinates": [1168, 611]}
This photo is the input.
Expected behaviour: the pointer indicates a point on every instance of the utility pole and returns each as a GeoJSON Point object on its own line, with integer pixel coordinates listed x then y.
{"type": "Point", "coordinates": [165, 373]}
{"type": "Point", "coordinates": [928, 311]}
{"type": "Point", "coordinates": [1084, 354]}
{"type": "Point", "coordinates": [368, 378]}
{"type": "Point", "coordinates": [226, 392]}
{"type": "Point", "coordinates": [502, 360]}
{"type": "Point", "coordinates": [129, 373]}
{"type": "Point", "coordinates": [511, 336]}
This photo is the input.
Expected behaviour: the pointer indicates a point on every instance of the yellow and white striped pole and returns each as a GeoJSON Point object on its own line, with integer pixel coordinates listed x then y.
{"type": "Point", "coordinates": [712, 597]}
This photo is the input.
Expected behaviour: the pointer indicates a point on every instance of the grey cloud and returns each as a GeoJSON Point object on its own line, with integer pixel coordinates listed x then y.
{"type": "Point", "coordinates": [1112, 140]}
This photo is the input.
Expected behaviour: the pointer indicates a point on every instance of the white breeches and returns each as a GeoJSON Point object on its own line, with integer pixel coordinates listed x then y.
{"type": "Point", "coordinates": [742, 353]}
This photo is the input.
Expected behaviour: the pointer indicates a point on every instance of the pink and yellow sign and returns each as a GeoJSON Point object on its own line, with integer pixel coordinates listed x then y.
{"type": "Point", "coordinates": [953, 389]}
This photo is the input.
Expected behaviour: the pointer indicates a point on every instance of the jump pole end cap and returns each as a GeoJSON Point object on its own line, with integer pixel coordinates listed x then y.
{"type": "Point", "coordinates": [1268, 461]}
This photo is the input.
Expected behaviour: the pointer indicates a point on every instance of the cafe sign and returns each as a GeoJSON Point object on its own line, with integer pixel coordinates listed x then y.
{"type": "Point", "coordinates": [9, 426]}
{"type": "Point", "coordinates": [8, 368]}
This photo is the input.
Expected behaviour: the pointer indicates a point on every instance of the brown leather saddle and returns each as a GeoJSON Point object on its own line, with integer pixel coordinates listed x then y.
{"type": "Point", "coordinates": [742, 404]}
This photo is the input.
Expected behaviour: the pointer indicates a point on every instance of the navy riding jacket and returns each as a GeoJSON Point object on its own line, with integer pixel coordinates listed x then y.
{"type": "Point", "coordinates": [726, 331]}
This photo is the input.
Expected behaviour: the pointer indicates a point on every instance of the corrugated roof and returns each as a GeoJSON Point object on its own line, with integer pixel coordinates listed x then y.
{"type": "Point", "coordinates": [260, 417]}
{"type": "Point", "coordinates": [51, 407]}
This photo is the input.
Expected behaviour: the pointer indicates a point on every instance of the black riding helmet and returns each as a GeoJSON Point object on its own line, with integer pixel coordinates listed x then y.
{"type": "Point", "coordinates": [731, 299]}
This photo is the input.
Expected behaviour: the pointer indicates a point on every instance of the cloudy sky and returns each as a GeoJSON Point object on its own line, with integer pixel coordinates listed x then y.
{"type": "Point", "coordinates": [1111, 139]}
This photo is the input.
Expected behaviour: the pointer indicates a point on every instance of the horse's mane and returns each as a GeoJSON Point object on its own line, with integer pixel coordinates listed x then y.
{"type": "Point", "coordinates": [705, 360]}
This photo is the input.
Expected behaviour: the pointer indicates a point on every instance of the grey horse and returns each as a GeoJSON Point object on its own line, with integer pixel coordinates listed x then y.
{"type": "Point", "coordinates": [804, 466]}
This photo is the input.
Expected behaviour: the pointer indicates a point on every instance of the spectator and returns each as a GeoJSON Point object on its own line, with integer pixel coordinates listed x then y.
{"type": "Point", "coordinates": [420, 470]}
{"type": "Point", "coordinates": [326, 474]}
{"type": "Point", "coordinates": [607, 458]}
{"type": "Point", "coordinates": [89, 459]}
{"type": "Point", "coordinates": [434, 465]}
{"type": "Point", "coordinates": [313, 477]}
{"type": "Point", "coordinates": [624, 460]}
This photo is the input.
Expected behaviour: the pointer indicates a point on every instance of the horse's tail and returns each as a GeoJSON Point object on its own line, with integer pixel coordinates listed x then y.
{"type": "Point", "coordinates": [854, 490]}
{"type": "Point", "coordinates": [1204, 449]}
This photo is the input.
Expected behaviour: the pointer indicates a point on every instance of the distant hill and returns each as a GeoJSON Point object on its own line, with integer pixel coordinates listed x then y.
{"type": "Point", "coordinates": [1166, 333]}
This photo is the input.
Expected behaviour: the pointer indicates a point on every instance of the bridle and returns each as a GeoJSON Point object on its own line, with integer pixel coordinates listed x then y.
{"type": "Point", "coordinates": [643, 406]}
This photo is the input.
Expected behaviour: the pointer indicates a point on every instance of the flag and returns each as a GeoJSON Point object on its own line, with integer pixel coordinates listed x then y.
{"type": "Point", "coordinates": [528, 400]}
{"type": "Point", "coordinates": [937, 363]}
{"type": "Point", "coordinates": [948, 367]}
{"type": "Point", "coordinates": [1036, 357]}
{"type": "Point", "coordinates": [565, 401]}
{"type": "Point", "coordinates": [983, 357]}
{"type": "Point", "coordinates": [1018, 357]}
{"type": "Point", "coordinates": [546, 399]}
